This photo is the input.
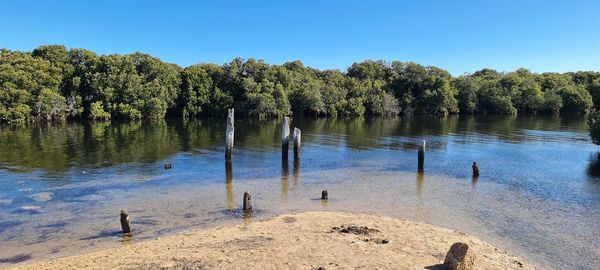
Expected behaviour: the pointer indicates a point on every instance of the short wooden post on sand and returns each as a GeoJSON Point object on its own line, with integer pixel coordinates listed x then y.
{"type": "Point", "coordinates": [475, 169]}
{"type": "Point", "coordinates": [125, 222]}
{"type": "Point", "coordinates": [247, 202]}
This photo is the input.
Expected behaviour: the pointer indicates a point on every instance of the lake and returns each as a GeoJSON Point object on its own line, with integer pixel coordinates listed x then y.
{"type": "Point", "coordinates": [62, 186]}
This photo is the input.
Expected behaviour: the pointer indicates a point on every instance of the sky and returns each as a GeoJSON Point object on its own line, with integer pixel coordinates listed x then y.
{"type": "Point", "coordinates": [459, 36]}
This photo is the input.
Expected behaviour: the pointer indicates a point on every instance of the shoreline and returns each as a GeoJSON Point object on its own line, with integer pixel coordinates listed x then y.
{"type": "Point", "coordinates": [307, 240]}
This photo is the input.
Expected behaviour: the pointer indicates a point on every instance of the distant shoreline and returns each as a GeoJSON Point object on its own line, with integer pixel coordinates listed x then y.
{"type": "Point", "coordinates": [54, 83]}
{"type": "Point", "coordinates": [295, 241]}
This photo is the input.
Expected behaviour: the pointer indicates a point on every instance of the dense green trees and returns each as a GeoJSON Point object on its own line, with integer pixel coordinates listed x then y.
{"type": "Point", "coordinates": [55, 83]}
{"type": "Point", "coordinates": [593, 121]}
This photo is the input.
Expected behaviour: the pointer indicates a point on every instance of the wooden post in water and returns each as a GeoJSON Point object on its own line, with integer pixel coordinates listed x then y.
{"type": "Point", "coordinates": [247, 202]}
{"type": "Point", "coordinates": [421, 157]}
{"type": "Point", "coordinates": [229, 135]}
{"type": "Point", "coordinates": [296, 168]}
{"type": "Point", "coordinates": [475, 169]}
{"type": "Point", "coordinates": [229, 186]}
{"type": "Point", "coordinates": [285, 137]}
{"type": "Point", "coordinates": [324, 195]}
{"type": "Point", "coordinates": [168, 166]}
{"type": "Point", "coordinates": [297, 142]}
{"type": "Point", "coordinates": [125, 222]}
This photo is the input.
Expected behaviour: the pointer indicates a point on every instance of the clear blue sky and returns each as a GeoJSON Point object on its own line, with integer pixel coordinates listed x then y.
{"type": "Point", "coordinates": [460, 36]}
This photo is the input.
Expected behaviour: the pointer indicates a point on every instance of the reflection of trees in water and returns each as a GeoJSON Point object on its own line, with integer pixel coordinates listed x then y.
{"type": "Point", "coordinates": [61, 146]}
{"type": "Point", "coordinates": [593, 168]}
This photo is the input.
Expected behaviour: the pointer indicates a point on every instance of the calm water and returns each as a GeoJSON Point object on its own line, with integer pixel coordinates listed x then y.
{"type": "Point", "coordinates": [62, 187]}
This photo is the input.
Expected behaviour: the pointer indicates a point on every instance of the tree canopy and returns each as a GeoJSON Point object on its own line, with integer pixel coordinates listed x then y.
{"type": "Point", "coordinates": [53, 83]}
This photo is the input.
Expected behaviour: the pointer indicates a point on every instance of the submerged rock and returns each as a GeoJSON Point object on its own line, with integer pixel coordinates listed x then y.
{"type": "Point", "coordinates": [42, 196]}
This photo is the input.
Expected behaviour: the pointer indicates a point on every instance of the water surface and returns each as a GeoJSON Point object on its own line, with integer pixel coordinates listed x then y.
{"type": "Point", "coordinates": [62, 186]}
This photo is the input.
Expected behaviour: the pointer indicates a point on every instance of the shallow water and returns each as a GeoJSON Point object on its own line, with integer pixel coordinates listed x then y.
{"type": "Point", "coordinates": [62, 187]}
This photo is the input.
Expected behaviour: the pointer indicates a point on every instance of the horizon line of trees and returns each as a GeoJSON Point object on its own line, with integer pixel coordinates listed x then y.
{"type": "Point", "coordinates": [53, 83]}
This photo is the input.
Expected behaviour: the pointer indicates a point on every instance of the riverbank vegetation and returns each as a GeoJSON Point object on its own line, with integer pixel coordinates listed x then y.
{"type": "Point", "coordinates": [55, 83]}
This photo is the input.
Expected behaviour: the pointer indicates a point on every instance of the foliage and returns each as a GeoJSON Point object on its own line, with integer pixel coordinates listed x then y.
{"type": "Point", "coordinates": [54, 83]}
{"type": "Point", "coordinates": [593, 121]}
{"type": "Point", "coordinates": [97, 111]}
{"type": "Point", "coordinates": [575, 99]}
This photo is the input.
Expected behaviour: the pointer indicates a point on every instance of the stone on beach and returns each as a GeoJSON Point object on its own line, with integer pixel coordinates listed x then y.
{"type": "Point", "coordinates": [460, 257]}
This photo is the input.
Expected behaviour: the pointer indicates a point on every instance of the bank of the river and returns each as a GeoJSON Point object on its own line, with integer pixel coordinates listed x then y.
{"type": "Point", "coordinates": [295, 241]}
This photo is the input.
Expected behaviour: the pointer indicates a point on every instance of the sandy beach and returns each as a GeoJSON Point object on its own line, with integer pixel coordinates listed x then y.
{"type": "Point", "coordinates": [310, 240]}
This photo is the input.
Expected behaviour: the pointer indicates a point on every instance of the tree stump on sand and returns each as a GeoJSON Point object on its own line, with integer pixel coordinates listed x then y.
{"type": "Point", "coordinates": [125, 222]}
{"type": "Point", "coordinates": [460, 257]}
{"type": "Point", "coordinates": [421, 157]}
{"type": "Point", "coordinates": [247, 202]}
{"type": "Point", "coordinates": [229, 135]}
{"type": "Point", "coordinates": [324, 195]}
{"type": "Point", "coordinates": [475, 169]}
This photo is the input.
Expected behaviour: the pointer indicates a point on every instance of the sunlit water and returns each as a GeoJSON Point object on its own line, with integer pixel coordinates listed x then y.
{"type": "Point", "coordinates": [62, 187]}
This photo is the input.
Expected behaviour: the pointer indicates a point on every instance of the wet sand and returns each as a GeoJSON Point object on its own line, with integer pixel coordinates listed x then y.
{"type": "Point", "coordinates": [308, 240]}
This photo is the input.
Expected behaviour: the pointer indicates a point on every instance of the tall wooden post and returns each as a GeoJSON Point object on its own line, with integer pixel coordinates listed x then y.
{"type": "Point", "coordinates": [229, 135]}
{"type": "Point", "coordinates": [125, 222]}
{"type": "Point", "coordinates": [285, 137]}
{"type": "Point", "coordinates": [297, 142]}
{"type": "Point", "coordinates": [421, 157]}
{"type": "Point", "coordinates": [247, 202]}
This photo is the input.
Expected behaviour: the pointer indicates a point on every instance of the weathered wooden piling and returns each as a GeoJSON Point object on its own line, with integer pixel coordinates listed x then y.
{"type": "Point", "coordinates": [125, 222]}
{"type": "Point", "coordinates": [247, 202]}
{"type": "Point", "coordinates": [324, 195]}
{"type": "Point", "coordinates": [475, 169]}
{"type": "Point", "coordinates": [229, 135]}
{"type": "Point", "coordinates": [297, 142]}
{"type": "Point", "coordinates": [285, 137]}
{"type": "Point", "coordinates": [421, 157]}
{"type": "Point", "coordinates": [168, 166]}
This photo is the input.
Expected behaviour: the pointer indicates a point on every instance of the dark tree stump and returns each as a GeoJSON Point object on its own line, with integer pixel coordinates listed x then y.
{"type": "Point", "coordinates": [247, 202]}
{"type": "Point", "coordinates": [475, 169]}
{"type": "Point", "coordinates": [125, 222]}
{"type": "Point", "coordinates": [168, 166]}
{"type": "Point", "coordinates": [324, 195]}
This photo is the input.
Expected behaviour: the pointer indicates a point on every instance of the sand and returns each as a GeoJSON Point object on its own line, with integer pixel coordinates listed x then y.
{"type": "Point", "coordinates": [295, 241]}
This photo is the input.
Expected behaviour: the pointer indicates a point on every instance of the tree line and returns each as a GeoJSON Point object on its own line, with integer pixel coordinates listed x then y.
{"type": "Point", "coordinates": [55, 83]}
